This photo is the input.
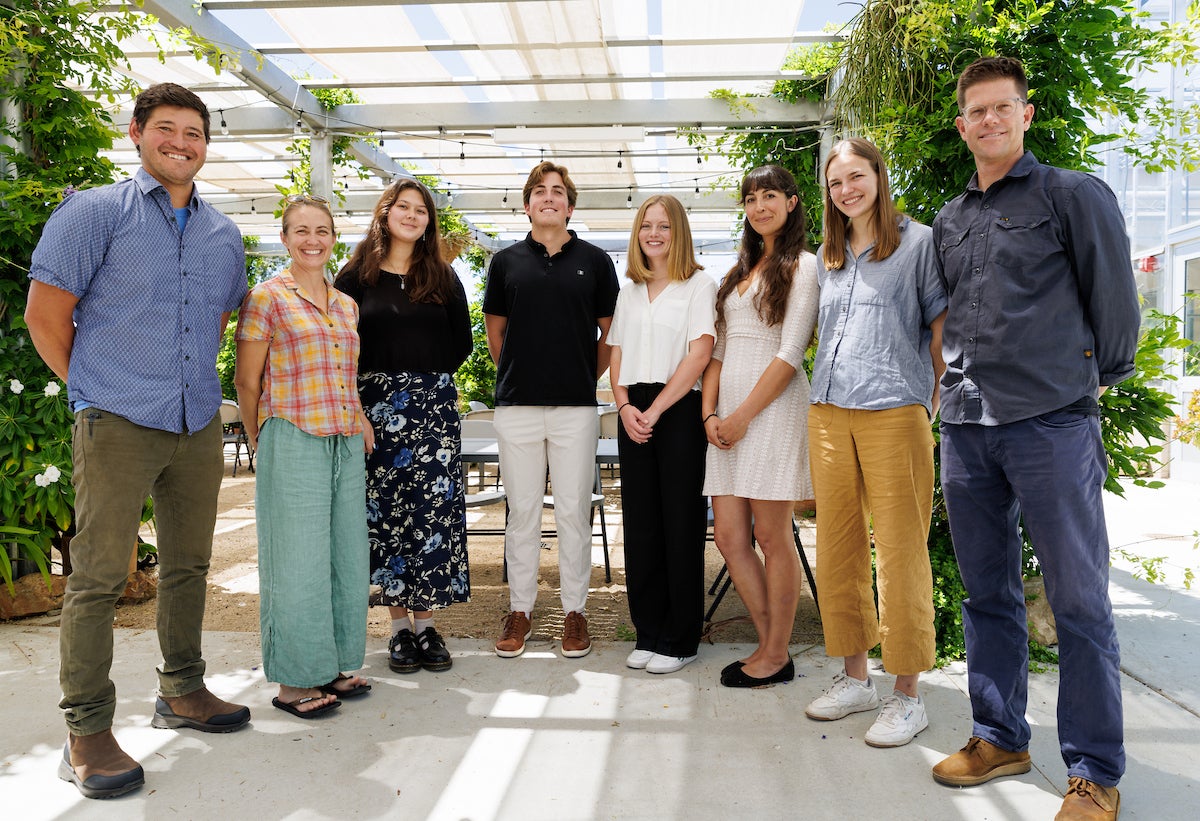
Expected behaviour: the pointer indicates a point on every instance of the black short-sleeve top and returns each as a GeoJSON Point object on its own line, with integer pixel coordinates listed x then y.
{"type": "Point", "coordinates": [552, 304]}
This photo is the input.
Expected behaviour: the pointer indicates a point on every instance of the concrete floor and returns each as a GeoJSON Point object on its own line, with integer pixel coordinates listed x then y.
{"type": "Point", "coordinates": [543, 737]}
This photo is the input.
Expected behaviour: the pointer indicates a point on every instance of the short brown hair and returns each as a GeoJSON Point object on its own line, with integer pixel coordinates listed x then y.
{"type": "Point", "coordinates": [992, 68]}
{"type": "Point", "coordinates": [168, 94]}
{"type": "Point", "coordinates": [539, 173]}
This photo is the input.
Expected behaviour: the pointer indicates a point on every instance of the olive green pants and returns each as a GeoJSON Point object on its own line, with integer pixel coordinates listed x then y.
{"type": "Point", "coordinates": [117, 465]}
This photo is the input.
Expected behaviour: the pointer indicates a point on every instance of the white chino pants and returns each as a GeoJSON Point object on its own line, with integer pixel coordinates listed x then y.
{"type": "Point", "coordinates": [563, 438]}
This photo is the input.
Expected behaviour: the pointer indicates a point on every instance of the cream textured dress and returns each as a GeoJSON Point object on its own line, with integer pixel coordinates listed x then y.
{"type": "Point", "coordinates": [771, 461]}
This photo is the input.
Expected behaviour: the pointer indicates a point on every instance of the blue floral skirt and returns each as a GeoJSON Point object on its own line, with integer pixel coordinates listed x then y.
{"type": "Point", "coordinates": [416, 513]}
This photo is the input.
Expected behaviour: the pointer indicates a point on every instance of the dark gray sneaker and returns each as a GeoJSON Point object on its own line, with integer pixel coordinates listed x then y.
{"type": "Point", "coordinates": [434, 655]}
{"type": "Point", "coordinates": [403, 654]}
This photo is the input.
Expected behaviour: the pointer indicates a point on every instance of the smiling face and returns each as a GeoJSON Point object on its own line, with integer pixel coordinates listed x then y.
{"type": "Point", "coordinates": [996, 142]}
{"type": "Point", "coordinates": [172, 146]}
{"type": "Point", "coordinates": [767, 210]}
{"type": "Point", "coordinates": [549, 206]}
{"type": "Point", "coordinates": [308, 236]}
{"type": "Point", "coordinates": [654, 237]}
{"type": "Point", "coordinates": [408, 217]}
{"type": "Point", "coordinates": [853, 186]}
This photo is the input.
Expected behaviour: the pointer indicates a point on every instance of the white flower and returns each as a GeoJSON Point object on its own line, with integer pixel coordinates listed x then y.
{"type": "Point", "coordinates": [52, 473]}
{"type": "Point", "coordinates": [52, 388]}
{"type": "Point", "coordinates": [41, 480]}
{"type": "Point", "coordinates": [15, 386]}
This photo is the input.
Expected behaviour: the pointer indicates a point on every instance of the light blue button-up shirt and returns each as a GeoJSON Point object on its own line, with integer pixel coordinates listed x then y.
{"type": "Point", "coordinates": [148, 320]}
{"type": "Point", "coordinates": [873, 326]}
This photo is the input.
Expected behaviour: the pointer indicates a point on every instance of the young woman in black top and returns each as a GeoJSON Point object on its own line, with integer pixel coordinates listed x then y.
{"type": "Point", "coordinates": [416, 331]}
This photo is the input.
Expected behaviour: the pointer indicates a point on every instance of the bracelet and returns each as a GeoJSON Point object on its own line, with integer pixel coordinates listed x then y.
{"type": "Point", "coordinates": [623, 407]}
{"type": "Point", "coordinates": [705, 419]}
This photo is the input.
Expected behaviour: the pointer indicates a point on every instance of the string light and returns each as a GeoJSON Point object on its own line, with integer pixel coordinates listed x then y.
{"type": "Point", "coordinates": [299, 127]}
{"type": "Point", "coordinates": [629, 199]}
{"type": "Point", "coordinates": [252, 210]}
{"type": "Point", "coordinates": [619, 155]}
{"type": "Point", "coordinates": [224, 125]}
{"type": "Point", "coordinates": [697, 185]}
{"type": "Point", "coordinates": [505, 200]}
{"type": "Point", "coordinates": [462, 152]}
{"type": "Point", "coordinates": [698, 160]}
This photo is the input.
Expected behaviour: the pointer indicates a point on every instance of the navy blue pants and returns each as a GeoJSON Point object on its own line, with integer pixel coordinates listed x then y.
{"type": "Point", "coordinates": [1048, 470]}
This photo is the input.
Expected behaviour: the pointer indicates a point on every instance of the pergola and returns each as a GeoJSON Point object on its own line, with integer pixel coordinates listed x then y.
{"type": "Point", "coordinates": [476, 93]}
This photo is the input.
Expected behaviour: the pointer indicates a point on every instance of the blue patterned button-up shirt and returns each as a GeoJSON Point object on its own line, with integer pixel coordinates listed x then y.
{"type": "Point", "coordinates": [148, 320]}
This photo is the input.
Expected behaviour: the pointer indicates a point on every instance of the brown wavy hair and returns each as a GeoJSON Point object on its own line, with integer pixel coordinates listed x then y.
{"type": "Point", "coordinates": [681, 256]}
{"type": "Point", "coordinates": [884, 219]}
{"type": "Point", "coordinates": [780, 268]}
{"type": "Point", "coordinates": [429, 278]}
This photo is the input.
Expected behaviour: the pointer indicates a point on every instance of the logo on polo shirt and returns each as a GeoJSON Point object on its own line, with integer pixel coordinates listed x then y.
{"type": "Point", "coordinates": [579, 272]}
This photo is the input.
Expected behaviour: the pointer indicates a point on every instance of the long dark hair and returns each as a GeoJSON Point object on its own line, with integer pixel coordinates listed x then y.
{"type": "Point", "coordinates": [780, 268]}
{"type": "Point", "coordinates": [429, 278]}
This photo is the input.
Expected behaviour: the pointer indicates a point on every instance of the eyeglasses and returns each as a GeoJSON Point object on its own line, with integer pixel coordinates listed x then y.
{"type": "Point", "coordinates": [295, 198]}
{"type": "Point", "coordinates": [1002, 109]}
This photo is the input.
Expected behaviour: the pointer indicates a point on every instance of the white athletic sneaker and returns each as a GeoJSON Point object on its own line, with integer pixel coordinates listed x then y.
{"type": "Point", "coordinates": [900, 719]}
{"type": "Point", "coordinates": [638, 659]}
{"type": "Point", "coordinates": [668, 664]}
{"type": "Point", "coordinates": [844, 697]}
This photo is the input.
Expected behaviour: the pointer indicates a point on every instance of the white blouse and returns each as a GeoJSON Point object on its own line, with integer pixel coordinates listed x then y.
{"type": "Point", "coordinates": [654, 336]}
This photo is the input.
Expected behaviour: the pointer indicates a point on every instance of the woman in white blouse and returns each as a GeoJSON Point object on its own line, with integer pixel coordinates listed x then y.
{"type": "Point", "coordinates": [662, 337]}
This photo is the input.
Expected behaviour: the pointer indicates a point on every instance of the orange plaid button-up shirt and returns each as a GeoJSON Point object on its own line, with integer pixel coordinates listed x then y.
{"type": "Point", "coordinates": [311, 375]}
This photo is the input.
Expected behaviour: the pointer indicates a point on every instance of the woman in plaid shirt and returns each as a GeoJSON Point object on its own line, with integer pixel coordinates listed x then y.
{"type": "Point", "coordinates": [297, 388]}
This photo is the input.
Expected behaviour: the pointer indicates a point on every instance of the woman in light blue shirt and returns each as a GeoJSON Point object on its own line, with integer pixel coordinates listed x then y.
{"type": "Point", "coordinates": [874, 391]}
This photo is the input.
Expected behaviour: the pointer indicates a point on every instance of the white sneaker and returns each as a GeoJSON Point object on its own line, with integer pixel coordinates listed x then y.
{"type": "Point", "coordinates": [668, 664]}
{"type": "Point", "coordinates": [845, 696]}
{"type": "Point", "coordinates": [638, 659]}
{"type": "Point", "coordinates": [899, 721]}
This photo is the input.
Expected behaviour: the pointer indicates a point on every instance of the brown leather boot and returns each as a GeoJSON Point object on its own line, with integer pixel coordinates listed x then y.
{"type": "Point", "coordinates": [978, 762]}
{"type": "Point", "coordinates": [199, 710]}
{"type": "Point", "coordinates": [98, 766]}
{"type": "Point", "coordinates": [1088, 801]}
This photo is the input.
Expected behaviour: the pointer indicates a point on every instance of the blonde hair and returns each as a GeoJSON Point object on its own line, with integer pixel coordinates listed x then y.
{"type": "Point", "coordinates": [681, 256]}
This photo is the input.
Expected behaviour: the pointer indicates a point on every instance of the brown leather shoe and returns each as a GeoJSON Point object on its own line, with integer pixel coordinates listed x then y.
{"type": "Point", "coordinates": [98, 766]}
{"type": "Point", "coordinates": [1088, 801]}
{"type": "Point", "coordinates": [978, 762]}
{"type": "Point", "coordinates": [512, 637]}
{"type": "Point", "coordinates": [199, 710]}
{"type": "Point", "coordinates": [576, 643]}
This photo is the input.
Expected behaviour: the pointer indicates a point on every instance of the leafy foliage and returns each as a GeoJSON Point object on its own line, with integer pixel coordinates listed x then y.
{"type": "Point", "coordinates": [47, 49]}
{"type": "Point", "coordinates": [895, 83]}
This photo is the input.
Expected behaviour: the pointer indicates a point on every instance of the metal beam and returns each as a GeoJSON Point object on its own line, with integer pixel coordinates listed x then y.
{"type": "Point", "coordinates": [270, 81]}
{"type": "Point", "coordinates": [567, 79]}
{"type": "Point", "coordinates": [430, 117]}
{"type": "Point", "coordinates": [427, 46]}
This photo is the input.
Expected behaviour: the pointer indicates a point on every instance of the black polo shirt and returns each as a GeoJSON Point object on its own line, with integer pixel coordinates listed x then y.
{"type": "Point", "coordinates": [552, 304]}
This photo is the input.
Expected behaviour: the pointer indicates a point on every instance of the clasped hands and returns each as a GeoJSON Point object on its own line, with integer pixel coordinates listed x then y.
{"type": "Point", "coordinates": [639, 424]}
{"type": "Point", "coordinates": [725, 433]}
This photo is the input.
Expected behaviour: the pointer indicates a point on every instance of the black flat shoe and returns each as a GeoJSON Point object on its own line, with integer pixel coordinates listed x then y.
{"type": "Point", "coordinates": [434, 655]}
{"type": "Point", "coordinates": [403, 654]}
{"type": "Point", "coordinates": [729, 668]}
{"type": "Point", "coordinates": [738, 677]}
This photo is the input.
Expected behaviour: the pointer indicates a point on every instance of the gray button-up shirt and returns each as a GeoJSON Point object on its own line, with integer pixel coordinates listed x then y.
{"type": "Point", "coordinates": [1043, 304]}
{"type": "Point", "coordinates": [873, 326]}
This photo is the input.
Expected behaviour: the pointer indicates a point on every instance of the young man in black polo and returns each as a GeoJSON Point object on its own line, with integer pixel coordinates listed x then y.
{"type": "Point", "coordinates": [548, 305]}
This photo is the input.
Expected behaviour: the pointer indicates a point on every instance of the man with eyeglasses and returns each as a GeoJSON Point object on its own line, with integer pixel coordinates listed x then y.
{"type": "Point", "coordinates": [1043, 314]}
{"type": "Point", "coordinates": [132, 285]}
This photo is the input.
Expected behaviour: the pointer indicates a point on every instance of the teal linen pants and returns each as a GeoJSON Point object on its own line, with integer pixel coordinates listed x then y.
{"type": "Point", "coordinates": [310, 501]}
